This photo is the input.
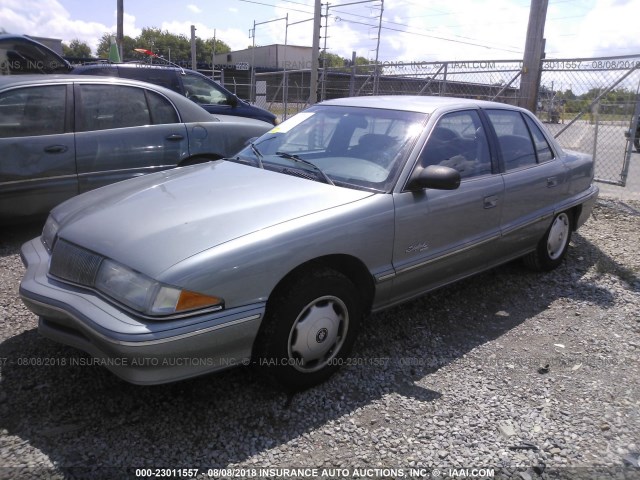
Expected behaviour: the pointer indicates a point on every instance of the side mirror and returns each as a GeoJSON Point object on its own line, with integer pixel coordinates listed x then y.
{"type": "Point", "coordinates": [233, 101]}
{"type": "Point", "coordinates": [437, 177]}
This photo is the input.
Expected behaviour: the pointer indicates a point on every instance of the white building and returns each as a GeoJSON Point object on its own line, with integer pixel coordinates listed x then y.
{"type": "Point", "coordinates": [272, 57]}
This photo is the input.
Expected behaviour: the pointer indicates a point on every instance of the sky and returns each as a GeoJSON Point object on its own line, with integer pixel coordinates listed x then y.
{"type": "Point", "coordinates": [412, 30]}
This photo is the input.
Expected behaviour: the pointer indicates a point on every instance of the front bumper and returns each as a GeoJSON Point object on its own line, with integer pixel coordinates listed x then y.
{"type": "Point", "coordinates": [138, 351]}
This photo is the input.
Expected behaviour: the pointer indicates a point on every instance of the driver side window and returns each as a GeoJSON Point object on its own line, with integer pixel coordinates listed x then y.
{"type": "Point", "coordinates": [202, 92]}
{"type": "Point", "coordinates": [458, 141]}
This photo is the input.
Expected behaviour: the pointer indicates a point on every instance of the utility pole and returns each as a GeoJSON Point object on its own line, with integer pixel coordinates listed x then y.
{"type": "Point", "coordinates": [323, 77]}
{"type": "Point", "coordinates": [213, 56]}
{"type": "Point", "coordinates": [533, 54]}
{"type": "Point", "coordinates": [120, 27]}
{"type": "Point", "coordinates": [315, 51]}
{"type": "Point", "coordinates": [194, 63]}
{"type": "Point", "coordinates": [253, 51]}
{"type": "Point", "coordinates": [376, 78]}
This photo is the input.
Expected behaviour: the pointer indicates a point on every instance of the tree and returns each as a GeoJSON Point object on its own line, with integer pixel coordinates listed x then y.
{"type": "Point", "coordinates": [105, 43]}
{"type": "Point", "coordinates": [329, 60]}
{"type": "Point", "coordinates": [176, 48]}
{"type": "Point", "coordinates": [76, 49]}
{"type": "Point", "coordinates": [204, 49]}
{"type": "Point", "coordinates": [362, 65]}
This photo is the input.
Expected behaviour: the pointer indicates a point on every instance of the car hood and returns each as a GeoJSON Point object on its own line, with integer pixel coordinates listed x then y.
{"type": "Point", "coordinates": [155, 221]}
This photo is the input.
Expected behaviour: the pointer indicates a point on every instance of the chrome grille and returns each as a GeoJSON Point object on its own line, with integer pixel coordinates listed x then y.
{"type": "Point", "coordinates": [74, 264]}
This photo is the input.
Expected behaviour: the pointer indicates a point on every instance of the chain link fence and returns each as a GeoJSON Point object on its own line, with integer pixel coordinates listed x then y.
{"type": "Point", "coordinates": [589, 105]}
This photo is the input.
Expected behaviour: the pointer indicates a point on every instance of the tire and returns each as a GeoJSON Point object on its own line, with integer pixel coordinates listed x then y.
{"type": "Point", "coordinates": [636, 140]}
{"type": "Point", "coordinates": [309, 329]}
{"type": "Point", "coordinates": [553, 246]}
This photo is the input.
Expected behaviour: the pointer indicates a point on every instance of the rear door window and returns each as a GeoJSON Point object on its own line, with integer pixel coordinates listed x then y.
{"type": "Point", "coordinates": [513, 138]}
{"type": "Point", "coordinates": [543, 150]}
{"type": "Point", "coordinates": [104, 107]}
{"type": "Point", "coordinates": [161, 109]}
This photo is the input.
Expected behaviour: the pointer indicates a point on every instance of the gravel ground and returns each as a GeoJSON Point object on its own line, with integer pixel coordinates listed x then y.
{"type": "Point", "coordinates": [532, 375]}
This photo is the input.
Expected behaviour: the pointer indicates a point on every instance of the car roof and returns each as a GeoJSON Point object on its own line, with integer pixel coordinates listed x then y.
{"type": "Point", "coordinates": [189, 111]}
{"type": "Point", "coordinates": [414, 103]}
{"type": "Point", "coordinates": [154, 66]}
{"type": "Point", "coordinates": [6, 80]}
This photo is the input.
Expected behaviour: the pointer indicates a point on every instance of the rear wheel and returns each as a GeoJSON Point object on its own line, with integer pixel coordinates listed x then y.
{"type": "Point", "coordinates": [309, 329]}
{"type": "Point", "coordinates": [553, 246]}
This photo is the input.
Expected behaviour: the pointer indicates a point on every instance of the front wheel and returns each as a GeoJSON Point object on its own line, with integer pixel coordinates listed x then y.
{"type": "Point", "coordinates": [309, 329]}
{"type": "Point", "coordinates": [553, 246]}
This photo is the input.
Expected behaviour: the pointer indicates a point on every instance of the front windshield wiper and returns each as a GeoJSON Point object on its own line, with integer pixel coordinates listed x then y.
{"type": "Point", "coordinates": [258, 155]}
{"type": "Point", "coordinates": [296, 158]}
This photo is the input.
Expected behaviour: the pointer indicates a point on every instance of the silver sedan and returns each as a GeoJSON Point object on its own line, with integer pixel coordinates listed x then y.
{"type": "Point", "coordinates": [276, 256]}
{"type": "Point", "coordinates": [61, 135]}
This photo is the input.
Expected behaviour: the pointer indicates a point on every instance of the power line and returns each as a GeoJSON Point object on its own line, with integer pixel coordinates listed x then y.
{"type": "Point", "coordinates": [506, 47]}
{"type": "Point", "coordinates": [433, 36]}
{"type": "Point", "coordinates": [272, 5]}
{"type": "Point", "coordinates": [510, 50]}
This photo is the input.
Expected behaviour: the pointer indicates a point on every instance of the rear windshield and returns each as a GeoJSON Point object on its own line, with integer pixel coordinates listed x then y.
{"type": "Point", "coordinates": [21, 56]}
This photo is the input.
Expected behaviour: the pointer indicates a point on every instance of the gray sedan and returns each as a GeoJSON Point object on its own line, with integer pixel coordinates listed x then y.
{"type": "Point", "coordinates": [276, 256]}
{"type": "Point", "coordinates": [61, 135]}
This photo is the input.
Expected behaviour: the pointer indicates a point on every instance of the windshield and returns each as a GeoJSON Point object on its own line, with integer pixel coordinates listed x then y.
{"type": "Point", "coordinates": [348, 146]}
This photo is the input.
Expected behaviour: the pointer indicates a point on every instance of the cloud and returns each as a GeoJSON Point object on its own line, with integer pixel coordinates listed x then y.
{"type": "Point", "coordinates": [48, 18]}
{"type": "Point", "coordinates": [235, 38]}
{"type": "Point", "coordinates": [437, 30]}
{"type": "Point", "coordinates": [608, 28]}
{"type": "Point", "coordinates": [461, 30]}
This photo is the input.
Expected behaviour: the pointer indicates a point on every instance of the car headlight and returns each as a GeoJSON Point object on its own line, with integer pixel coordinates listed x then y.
{"type": "Point", "coordinates": [49, 232]}
{"type": "Point", "coordinates": [148, 296]}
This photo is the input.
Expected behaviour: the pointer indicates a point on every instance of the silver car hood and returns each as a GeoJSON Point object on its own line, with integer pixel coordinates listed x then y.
{"type": "Point", "coordinates": [155, 221]}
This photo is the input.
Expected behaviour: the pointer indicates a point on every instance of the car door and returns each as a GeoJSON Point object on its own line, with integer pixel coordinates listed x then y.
{"type": "Point", "coordinates": [124, 131]}
{"type": "Point", "coordinates": [37, 151]}
{"type": "Point", "coordinates": [445, 235]}
{"type": "Point", "coordinates": [535, 179]}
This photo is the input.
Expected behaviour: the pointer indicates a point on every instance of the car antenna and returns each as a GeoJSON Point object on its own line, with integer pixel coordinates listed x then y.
{"type": "Point", "coordinates": [151, 54]}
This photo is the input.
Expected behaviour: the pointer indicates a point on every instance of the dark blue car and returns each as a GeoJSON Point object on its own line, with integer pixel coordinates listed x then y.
{"type": "Point", "coordinates": [210, 95]}
{"type": "Point", "coordinates": [20, 54]}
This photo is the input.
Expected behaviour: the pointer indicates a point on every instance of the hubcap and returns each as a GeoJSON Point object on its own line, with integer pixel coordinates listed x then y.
{"type": "Point", "coordinates": [318, 333]}
{"type": "Point", "coordinates": [558, 235]}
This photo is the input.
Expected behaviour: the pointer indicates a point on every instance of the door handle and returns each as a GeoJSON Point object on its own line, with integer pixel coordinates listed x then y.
{"type": "Point", "coordinates": [175, 137]}
{"type": "Point", "coordinates": [491, 201]}
{"type": "Point", "coordinates": [56, 149]}
{"type": "Point", "coordinates": [552, 182]}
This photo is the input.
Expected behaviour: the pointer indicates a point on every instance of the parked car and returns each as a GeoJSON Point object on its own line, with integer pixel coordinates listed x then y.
{"type": "Point", "coordinates": [23, 55]}
{"type": "Point", "coordinates": [61, 135]}
{"type": "Point", "coordinates": [210, 95]}
{"type": "Point", "coordinates": [634, 135]}
{"type": "Point", "coordinates": [276, 255]}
